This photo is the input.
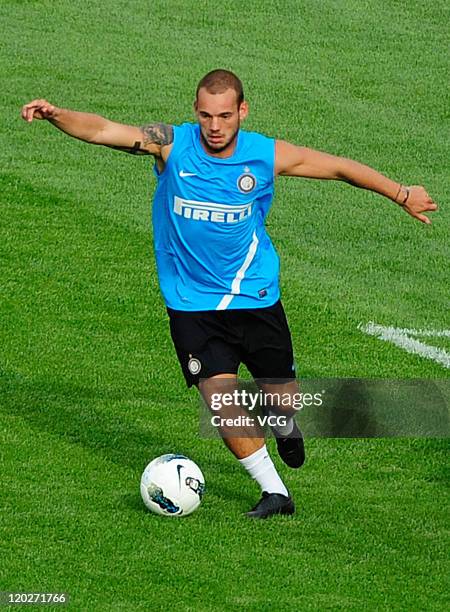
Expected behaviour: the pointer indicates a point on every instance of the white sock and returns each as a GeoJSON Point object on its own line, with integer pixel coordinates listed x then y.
{"type": "Point", "coordinates": [260, 467]}
{"type": "Point", "coordinates": [284, 430]}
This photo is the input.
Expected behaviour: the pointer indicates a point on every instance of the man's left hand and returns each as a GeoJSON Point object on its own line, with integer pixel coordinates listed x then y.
{"type": "Point", "coordinates": [417, 202]}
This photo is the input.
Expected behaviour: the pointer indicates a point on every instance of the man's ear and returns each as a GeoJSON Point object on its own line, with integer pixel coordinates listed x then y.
{"type": "Point", "coordinates": [243, 110]}
{"type": "Point", "coordinates": [195, 106]}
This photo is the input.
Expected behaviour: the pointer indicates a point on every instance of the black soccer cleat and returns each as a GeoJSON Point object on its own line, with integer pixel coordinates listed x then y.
{"type": "Point", "coordinates": [292, 449]}
{"type": "Point", "coordinates": [271, 504]}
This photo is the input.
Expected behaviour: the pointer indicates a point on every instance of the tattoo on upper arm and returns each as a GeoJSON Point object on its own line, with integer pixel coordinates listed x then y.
{"type": "Point", "coordinates": [134, 150]}
{"type": "Point", "coordinates": [154, 133]}
{"type": "Point", "coordinates": [157, 133]}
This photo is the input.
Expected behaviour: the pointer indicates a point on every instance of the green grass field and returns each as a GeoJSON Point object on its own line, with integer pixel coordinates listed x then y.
{"type": "Point", "coordinates": [91, 389]}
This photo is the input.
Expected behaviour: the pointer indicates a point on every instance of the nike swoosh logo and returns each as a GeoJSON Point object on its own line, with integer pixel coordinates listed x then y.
{"type": "Point", "coordinates": [183, 174]}
{"type": "Point", "coordinates": [179, 468]}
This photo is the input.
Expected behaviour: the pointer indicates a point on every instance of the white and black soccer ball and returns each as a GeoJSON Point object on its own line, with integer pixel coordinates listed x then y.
{"type": "Point", "coordinates": [172, 485]}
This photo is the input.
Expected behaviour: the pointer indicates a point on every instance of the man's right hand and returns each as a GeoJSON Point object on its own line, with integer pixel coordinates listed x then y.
{"type": "Point", "coordinates": [38, 109]}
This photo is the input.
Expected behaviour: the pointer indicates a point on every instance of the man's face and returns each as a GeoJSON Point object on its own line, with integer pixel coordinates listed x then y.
{"type": "Point", "coordinates": [219, 118]}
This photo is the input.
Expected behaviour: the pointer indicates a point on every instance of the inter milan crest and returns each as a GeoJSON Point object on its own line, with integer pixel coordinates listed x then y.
{"type": "Point", "coordinates": [194, 365]}
{"type": "Point", "coordinates": [247, 181]}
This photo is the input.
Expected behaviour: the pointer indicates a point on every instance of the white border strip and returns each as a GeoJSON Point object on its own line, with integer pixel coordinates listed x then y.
{"type": "Point", "coordinates": [402, 338]}
{"type": "Point", "coordinates": [236, 284]}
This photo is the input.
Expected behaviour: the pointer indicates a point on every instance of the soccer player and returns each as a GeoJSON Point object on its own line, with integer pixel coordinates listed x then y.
{"type": "Point", "coordinates": [217, 268]}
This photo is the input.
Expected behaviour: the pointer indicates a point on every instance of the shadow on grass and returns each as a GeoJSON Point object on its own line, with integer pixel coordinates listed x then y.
{"type": "Point", "coordinates": [72, 412]}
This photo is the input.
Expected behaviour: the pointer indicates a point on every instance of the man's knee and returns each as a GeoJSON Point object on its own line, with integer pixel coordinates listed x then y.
{"type": "Point", "coordinates": [214, 388]}
{"type": "Point", "coordinates": [281, 398]}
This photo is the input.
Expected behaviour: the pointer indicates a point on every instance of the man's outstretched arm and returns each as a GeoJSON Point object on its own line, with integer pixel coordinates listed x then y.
{"type": "Point", "coordinates": [153, 139]}
{"type": "Point", "coordinates": [291, 160]}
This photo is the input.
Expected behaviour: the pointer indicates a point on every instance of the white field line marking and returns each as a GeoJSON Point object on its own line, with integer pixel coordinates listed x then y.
{"type": "Point", "coordinates": [403, 339]}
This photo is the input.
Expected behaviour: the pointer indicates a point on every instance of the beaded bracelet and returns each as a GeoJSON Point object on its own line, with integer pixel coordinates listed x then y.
{"type": "Point", "coordinates": [406, 196]}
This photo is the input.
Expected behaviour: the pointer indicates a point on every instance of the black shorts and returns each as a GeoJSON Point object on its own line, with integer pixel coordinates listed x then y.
{"type": "Point", "coordinates": [216, 341]}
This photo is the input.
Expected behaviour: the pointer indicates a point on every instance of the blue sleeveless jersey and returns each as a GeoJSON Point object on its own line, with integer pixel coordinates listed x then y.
{"type": "Point", "coordinates": [212, 249]}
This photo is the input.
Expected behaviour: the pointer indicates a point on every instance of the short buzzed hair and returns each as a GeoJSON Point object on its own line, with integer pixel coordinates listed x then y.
{"type": "Point", "coordinates": [218, 81]}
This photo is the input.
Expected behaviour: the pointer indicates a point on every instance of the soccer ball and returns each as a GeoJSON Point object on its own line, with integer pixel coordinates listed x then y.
{"type": "Point", "coordinates": [172, 485]}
